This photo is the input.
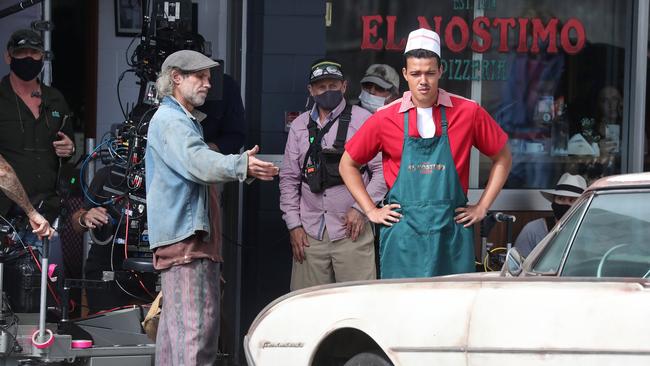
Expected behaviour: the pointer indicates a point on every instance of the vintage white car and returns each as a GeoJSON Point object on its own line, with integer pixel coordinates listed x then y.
{"type": "Point", "coordinates": [582, 297]}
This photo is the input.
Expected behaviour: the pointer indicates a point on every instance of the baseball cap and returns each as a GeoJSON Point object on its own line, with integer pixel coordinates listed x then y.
{"type": "Point", "coordinates": [423, 39]}
{"type": "Point", "coordinates": [382, 75]}
{"type": "Point", "coordinates": [325, 69]}
{"type": "Point", "coordinates": [25, 38]}
{"type": "Point", "coordinates": [188, 60]}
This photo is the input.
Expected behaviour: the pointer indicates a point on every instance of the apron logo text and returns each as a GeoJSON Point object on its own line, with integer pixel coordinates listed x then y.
{"type": "Point", "coordinates": [425, 168]}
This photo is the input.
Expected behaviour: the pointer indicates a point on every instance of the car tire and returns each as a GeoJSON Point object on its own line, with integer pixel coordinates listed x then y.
{"type": "Point", "coordinates": [368, 359]}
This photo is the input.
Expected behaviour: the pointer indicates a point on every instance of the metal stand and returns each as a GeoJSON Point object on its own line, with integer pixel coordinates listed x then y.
{"type": "Point", "coordinates": [43, 307]}
{"type": "Point", "coordinates": [4, 341]}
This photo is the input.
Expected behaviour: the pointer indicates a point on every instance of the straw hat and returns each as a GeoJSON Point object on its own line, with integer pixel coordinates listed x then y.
{"type": "Point", "coordinates": [569, 185]}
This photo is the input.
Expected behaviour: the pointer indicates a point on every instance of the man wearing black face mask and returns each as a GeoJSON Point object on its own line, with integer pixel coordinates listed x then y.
{"type": "Point", "coordinates": [331, 238]}
{"type": "Point", "coordinates": [34, 129]}
{"type": "Point", "coordinates": [566, 192]}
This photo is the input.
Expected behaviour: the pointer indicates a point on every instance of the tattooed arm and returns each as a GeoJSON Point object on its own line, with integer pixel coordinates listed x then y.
{"type": "Point", "coordinates": [10, 185]}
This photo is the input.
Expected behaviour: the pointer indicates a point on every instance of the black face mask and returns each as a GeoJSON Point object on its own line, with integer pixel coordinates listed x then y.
{"type": "Point", "coordinates": [27, 68]}
{"type": "Point", "coordinates": [329, 100]}
{"type": "Point", "coordinates": [559, 210]}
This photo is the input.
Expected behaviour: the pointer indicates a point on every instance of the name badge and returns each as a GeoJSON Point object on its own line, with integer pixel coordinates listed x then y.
{"type": "Point", "coordinates": [56, 114]}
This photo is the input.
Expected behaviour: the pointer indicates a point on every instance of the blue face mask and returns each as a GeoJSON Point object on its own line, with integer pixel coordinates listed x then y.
{"type": "Point", "coordinates": [371, 102]}
{"type": "Point", "coordinates": [329, 99]}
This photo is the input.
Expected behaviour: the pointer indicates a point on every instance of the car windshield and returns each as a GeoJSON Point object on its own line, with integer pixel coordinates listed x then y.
{"type": "Point", "coordinates": [613, 239]}
{"type": "Point", "coordinates": [550, 260]}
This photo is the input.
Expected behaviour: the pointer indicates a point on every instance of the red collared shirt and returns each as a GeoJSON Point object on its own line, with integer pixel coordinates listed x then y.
{"type": "Point", "coordinates": [468, 125]}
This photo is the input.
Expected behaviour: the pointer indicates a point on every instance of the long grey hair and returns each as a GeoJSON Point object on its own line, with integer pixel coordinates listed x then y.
{"type": "Point", "coordinates": [165, 83]}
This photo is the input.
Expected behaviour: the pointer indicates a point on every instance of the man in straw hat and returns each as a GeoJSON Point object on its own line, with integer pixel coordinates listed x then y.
{"type": "Point", "coordinates": [566, 192]}
{"type": "Point", "coordinates": [179, 168]}
{"type": "Point", "coordinates": [426, 138]}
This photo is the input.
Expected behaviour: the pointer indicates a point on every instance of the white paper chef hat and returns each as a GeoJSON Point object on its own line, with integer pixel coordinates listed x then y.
{"type": "Point", "coordinates": [425, 39]}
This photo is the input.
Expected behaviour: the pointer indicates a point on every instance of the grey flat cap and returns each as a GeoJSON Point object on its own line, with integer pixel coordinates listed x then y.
{"type": "Point", "coordinates": [188, 60]}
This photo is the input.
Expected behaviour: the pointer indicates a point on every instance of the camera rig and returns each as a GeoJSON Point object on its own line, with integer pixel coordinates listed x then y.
{"type": "Point", "coordinates": [166, 28]}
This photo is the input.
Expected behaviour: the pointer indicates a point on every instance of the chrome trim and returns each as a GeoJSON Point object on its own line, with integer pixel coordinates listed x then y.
{"type": "Point", "coordinates": [635, 87]}
{"type": "Point", "coordinates": [575, 233]}
{"type": "Point", "coordinates": [247, 352]}
{"type": "Point", "coordinates": [537, 351]}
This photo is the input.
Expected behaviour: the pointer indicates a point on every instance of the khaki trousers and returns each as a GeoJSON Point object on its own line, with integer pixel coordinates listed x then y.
{"type": "Point", "coordinates": [336, 261]}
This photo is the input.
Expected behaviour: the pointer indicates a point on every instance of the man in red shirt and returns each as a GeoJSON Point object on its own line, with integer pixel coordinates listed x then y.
{"type": "Point", "coordinates": [427, 222]}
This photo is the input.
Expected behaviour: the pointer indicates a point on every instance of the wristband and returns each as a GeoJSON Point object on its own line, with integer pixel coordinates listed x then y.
{"type": "Point", "coordinates": [81, 221]}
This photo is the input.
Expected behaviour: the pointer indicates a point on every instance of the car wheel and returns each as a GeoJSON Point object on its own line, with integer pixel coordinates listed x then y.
{"type": "Point", "coordinates": [368, 359]}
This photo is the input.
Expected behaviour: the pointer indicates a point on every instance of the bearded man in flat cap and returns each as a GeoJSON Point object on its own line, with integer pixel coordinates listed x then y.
{"type": "Point", "coordinates": [179, 168]}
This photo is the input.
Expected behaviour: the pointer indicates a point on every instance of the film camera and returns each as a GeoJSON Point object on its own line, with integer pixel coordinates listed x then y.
{"type": "Point", "coordinates": [166, 28]}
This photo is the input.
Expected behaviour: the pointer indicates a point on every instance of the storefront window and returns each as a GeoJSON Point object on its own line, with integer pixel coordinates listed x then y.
{"type": "Point", "coordinates": [561, 99]}
{"type": "Point", "coordinates": [550, 72]}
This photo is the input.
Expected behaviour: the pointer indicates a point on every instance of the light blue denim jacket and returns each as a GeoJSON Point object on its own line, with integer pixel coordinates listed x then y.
{"type": "Point", "coordinates": [179, 167]}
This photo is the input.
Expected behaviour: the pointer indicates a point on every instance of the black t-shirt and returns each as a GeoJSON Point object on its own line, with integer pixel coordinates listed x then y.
{"type": "Point", "coordinates": [26, 144]}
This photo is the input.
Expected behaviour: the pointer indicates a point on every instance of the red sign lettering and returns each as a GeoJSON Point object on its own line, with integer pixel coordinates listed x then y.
{"type": "Point", "coordinates": [548, 33]}
{"type": "Point", "coordinates": [581, 38]}
{"type": "Point", "coordinates": [534, 30]}
{"type": "Point", "coordinates": [449, 34]}
{"type": "Point", "coordinates": [370, 24]}
{"type": "Point", "coordinates": [481, 33]}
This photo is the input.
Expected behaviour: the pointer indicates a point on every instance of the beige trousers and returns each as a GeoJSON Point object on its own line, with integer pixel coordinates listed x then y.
{"type": "Point", "coordinates": [336, 261]}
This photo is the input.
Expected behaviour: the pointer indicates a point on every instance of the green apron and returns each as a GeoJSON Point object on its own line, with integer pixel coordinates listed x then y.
{"type": "Point", "coordinates": [427, 241]}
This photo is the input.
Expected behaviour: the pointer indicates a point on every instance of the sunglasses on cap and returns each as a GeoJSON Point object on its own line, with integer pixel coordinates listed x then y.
{"type": "Point", "coordinates": [325, 69]}
{"type": "Point", "coordinates": [26, 43]}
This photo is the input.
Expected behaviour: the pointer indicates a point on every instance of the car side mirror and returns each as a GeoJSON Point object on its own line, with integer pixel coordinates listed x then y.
{"type": "Point", "coordinates": [513, 264]}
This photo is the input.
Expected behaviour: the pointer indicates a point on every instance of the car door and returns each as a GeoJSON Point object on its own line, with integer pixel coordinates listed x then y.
{"type": "Point", "coordinates": [557, 321]}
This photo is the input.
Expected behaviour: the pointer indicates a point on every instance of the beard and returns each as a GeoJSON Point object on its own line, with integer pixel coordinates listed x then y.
{"type": "Point", "coordinates": [195, 99]}
{"type": "Point", "coordinates": [192, 97]}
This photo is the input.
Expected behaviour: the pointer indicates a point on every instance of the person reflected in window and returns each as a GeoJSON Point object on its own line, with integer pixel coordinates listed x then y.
{"type": "Point", "coordinates": [604, 132]}
{"type": "Point", "coordinates": [610, 117]}
{"type": "Point", "coordinates": [566, 192]}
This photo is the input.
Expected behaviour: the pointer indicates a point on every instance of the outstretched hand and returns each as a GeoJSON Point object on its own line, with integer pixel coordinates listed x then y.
{"type": "Point", "coordinates": [260, 169]}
